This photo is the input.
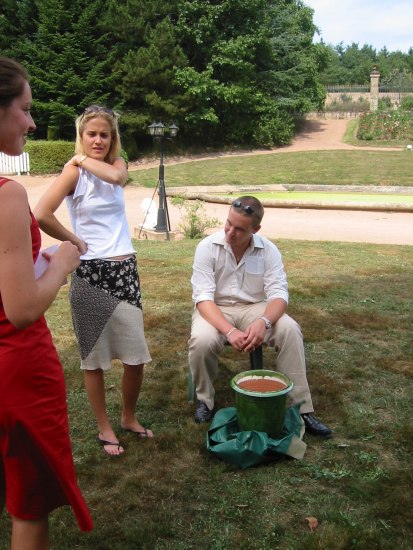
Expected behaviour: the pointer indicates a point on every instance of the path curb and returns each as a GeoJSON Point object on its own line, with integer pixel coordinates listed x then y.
{"type": "Point", "coordinates": [204, 194]}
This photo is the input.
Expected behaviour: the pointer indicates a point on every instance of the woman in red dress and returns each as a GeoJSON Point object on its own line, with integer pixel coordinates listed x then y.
{"type": "Point", "coordinates": [36, 467]}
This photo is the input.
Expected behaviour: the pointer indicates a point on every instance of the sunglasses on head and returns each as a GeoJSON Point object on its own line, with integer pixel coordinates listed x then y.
{"type": "Point", "coordinates": [98, 109]}
{"type": "Point", "coordinates": [247, 209]}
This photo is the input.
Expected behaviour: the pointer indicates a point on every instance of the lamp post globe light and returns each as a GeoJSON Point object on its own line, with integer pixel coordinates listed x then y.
{"type": "Point", "coordinates": [157, 131]}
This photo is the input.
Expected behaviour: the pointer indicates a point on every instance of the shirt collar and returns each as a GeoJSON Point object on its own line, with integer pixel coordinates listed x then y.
{"type": "Point", "coordinates": [219, 238]}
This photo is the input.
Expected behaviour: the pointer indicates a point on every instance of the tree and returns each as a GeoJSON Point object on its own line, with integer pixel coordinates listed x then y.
{"type": "Point", "coordinates": [17, 22]}
{"type": "Point", "coordinates": [144, 57]}
{"type": "Point", "coordinates": [63, 51]}
{"type": "Point", "coordinates": [226, 71]}
{"type": "Point", "coordinates": [252, 67]}
{"type": "Point", "coordinates": [353, 65]}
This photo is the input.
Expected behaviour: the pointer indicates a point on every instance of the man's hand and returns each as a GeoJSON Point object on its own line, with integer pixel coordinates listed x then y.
{"type": "Point", "coordinates": [237, 339]}
{"type": "Point", "coordinates": [255, 335]}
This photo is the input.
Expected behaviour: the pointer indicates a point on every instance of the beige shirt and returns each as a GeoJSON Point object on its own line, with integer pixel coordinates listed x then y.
{"type": "Point", "coordinates": [258, 277]}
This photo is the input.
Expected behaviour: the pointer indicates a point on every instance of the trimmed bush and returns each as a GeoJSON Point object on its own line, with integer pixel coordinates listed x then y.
{"type": "Point", "coordinates": [49, 157]}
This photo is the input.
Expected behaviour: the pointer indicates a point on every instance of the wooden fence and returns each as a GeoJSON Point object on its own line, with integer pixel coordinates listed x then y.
{"type": "Point", "coordinates": [14, 165]}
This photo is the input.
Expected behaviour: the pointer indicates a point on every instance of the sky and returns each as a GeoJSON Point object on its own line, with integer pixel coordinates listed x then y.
{"type": "Point", "coordinates": [377, 23]}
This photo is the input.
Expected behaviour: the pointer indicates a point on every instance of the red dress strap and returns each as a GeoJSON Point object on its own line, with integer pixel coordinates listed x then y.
{"type": "Point", "coordinates": [3, 180]}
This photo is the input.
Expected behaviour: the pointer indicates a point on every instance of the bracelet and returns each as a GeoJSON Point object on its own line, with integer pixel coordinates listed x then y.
{"type": "Point", "coordinates": [230, 332]}
{"type": "Point", "coordinates": [82, 161]}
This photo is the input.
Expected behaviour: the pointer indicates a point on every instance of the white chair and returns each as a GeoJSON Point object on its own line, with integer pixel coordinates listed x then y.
{"type": "Point", "coordinates": [151, 213]}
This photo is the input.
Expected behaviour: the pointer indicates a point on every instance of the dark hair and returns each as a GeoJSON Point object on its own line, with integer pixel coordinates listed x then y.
{"type": "Point", "coordinates": [249, 206]}
{"type": "Point", "coordinates": [12, 79]}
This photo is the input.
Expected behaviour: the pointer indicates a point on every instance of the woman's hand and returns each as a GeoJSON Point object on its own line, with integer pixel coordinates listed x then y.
{"type": "Point", "coordinates": [76, 160]}
{"type": "Point", "coordinates": [67, 257]}
{"type": "Point", "coordinates": [81, 245]}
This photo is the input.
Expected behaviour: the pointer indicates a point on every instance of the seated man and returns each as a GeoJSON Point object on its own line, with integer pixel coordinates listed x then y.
{"type": "Point", "coordinates": [240, 295]}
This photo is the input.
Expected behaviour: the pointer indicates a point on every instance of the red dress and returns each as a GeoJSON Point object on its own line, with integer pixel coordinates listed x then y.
{"type": "Point", "coordinates": [37, 473]}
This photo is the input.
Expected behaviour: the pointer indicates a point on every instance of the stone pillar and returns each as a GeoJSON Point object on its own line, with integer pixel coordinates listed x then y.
{"type": "Point", "coordinates": [374, 89]}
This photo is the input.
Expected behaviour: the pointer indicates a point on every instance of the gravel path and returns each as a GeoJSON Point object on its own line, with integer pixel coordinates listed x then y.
{"type": "Point", "coordinates": [286, 223]}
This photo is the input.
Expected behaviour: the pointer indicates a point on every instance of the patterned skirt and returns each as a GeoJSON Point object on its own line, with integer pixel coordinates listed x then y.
{"type": "Point", "coordinates": [105, 297]}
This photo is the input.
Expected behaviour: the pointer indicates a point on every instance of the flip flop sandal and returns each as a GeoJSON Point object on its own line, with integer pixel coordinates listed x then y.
{"type": "Point", "coordinates": [143, 434]}
{"type": "Point", "coordinates": [103, 443]}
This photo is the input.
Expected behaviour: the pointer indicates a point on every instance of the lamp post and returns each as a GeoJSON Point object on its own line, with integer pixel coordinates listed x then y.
{"type": "Point", "coordinates": [157, 131]}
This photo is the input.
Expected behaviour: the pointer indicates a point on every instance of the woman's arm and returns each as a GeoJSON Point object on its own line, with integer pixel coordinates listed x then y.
{"type": "Point", "coordinates": [115, 173]}
{"type": "Point", "coordinates": [62, 186]}
{"type": "Point", "coordinates": [24, 298]}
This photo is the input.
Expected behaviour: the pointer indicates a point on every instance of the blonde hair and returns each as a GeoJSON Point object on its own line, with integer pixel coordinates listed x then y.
{"type": "Point", "coordinates": [96, 111]}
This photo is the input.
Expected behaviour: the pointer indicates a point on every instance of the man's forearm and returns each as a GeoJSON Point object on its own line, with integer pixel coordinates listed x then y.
{"type": "Point", "coordinates": [211, 313]}
{"type": "Point", "coordinates": [275, 309]}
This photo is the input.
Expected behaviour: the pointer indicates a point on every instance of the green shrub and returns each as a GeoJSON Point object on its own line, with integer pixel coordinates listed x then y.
{"type": "Point", "coordinates": [49, 157]}
{"type": "Point", "coordinates": [406, 103]}
{"type": "Point", "coordinates": [384, 103]}
{"type": "Point", "coordinates": [382, 125]}
{"type": "Point", "coordinates": [276, 128]}
{"type": "Point", "coordinates": [195, 221]}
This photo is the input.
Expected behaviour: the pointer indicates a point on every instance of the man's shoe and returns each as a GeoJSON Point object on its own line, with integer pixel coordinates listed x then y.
{"type": "Point", "coordinates": [202, 413]}
{"type": "Point", "coordinates": [315, 427]}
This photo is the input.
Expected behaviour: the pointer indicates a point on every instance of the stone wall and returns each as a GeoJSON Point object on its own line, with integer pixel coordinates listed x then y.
{"type": "Point", "coordinates": [373, 96]}
{"type": "Point", "coordinates": [395, 97]}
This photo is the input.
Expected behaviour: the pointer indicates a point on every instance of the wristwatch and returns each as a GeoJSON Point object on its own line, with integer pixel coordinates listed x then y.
{"type": "Point", "coordinates": [267, 322]}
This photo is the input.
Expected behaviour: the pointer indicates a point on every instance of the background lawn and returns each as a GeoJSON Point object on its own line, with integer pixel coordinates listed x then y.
{"type": "Point", "coordinates": [338, 167]}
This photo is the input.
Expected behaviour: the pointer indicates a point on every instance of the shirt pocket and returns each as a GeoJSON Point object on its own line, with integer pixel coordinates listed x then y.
{"type": "Point", "coordinates": [254, 266]}
{"type": "Point", "coordinates": [253, 283]}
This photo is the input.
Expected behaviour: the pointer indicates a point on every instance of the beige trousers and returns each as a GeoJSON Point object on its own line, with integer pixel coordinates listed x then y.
{"type": "Point", "coordinates": [206, 344]}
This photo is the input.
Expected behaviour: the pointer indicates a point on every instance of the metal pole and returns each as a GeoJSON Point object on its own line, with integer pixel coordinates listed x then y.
{"type": "Point", "coordinates": [161, 225]}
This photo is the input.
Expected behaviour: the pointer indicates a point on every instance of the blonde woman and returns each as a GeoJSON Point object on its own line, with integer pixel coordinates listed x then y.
{"type": "Point", "coordinates": [105, 290]}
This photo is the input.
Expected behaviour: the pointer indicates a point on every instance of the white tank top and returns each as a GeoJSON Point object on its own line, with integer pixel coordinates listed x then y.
{"type": "Point", "coordinates": [97, 214]}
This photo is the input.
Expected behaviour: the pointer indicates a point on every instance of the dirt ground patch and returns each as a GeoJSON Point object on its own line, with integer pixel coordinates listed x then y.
{"type": "Point", "coordinates": [286, 223]}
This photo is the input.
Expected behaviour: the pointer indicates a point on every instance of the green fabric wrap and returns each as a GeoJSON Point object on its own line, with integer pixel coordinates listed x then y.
{"type": "Point", "coordinates": [246, 449]}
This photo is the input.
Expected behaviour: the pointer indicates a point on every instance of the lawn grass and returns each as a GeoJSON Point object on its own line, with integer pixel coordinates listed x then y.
{"type": "Point", "coordinates": [338, 167]}
{"type": "Point", "coordinates": [354, 303]}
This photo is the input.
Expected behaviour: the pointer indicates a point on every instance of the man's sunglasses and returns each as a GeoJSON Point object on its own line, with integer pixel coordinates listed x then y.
{"type": "Point", "coordinates": [247, 209]}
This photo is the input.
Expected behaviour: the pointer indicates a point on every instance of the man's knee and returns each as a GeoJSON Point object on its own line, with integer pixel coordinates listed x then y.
{"type": "Point", "coordinates": [204, 344]}
{"type": "Point", "coordinates": [286, 326]}
{"type": "Point", "coordinates": [287, 332]}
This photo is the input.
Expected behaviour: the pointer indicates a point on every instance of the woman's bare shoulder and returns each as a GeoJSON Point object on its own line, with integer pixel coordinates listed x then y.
{"type": "Point", "coordinates": [12, 190]}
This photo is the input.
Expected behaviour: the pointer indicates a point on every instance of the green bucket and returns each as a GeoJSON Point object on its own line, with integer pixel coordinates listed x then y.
{"type": "Point", "coordinates": [260, 405]}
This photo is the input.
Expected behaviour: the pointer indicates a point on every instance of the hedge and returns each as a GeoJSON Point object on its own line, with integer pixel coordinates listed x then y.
{"type": "Point", "coordinates": [49, 157]}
